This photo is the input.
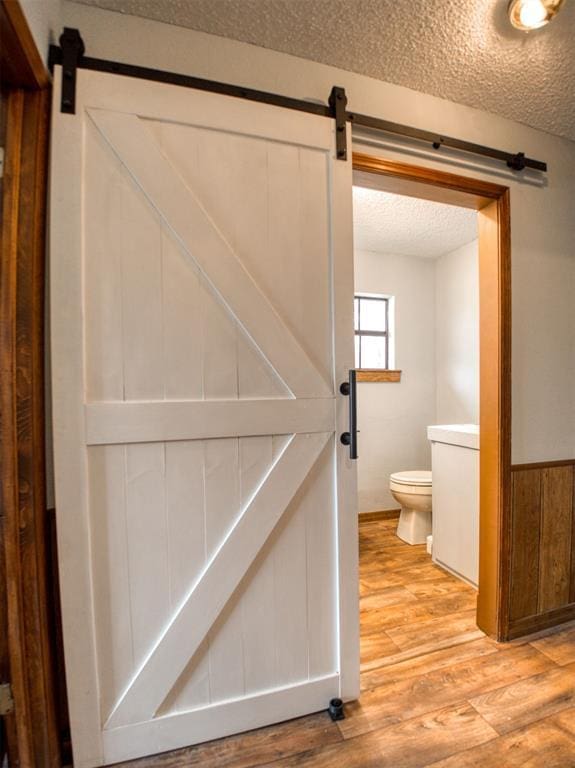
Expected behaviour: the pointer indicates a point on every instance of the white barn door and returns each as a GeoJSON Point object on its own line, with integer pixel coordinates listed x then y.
{"type": "Point", "coordinates": [201, 315]}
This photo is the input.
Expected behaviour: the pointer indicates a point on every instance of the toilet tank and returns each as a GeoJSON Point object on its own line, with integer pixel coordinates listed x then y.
{"type": "Point", "coordinates": [455, 517]}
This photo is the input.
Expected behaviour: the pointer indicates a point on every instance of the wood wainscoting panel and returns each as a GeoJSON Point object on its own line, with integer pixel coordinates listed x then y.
{"type": "Point", "coordinates": [525, 533]}
{"type": "Point", "coordinates": [555, 547]}
{"type": "Point", "coordinates": [542, 579]}
{"type": "Point", "coordinates": [542, 621]}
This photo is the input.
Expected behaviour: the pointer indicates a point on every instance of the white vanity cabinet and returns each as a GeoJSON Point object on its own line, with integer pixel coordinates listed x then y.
{"type": "Point", "coordinates": [455, 516]}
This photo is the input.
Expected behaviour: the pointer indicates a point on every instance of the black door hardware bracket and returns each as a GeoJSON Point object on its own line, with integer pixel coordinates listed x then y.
{"type": "Point", "coordinates": [73, 49]}
{"type": "Point", "coordinates": [70, 54]}
{"type": "Point", "coordinates": [338, 104]}
{"type": "Point", "coordinates": [349, 389]}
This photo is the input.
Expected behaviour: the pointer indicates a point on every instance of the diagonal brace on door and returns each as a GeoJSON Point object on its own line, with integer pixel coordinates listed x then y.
{"type": "Point", "coordinates": [219, 581]}
{"type": "Point", "coordinates": [181, 210]}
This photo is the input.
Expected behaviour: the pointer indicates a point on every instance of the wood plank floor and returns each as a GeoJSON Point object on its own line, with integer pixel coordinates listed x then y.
{"type": "Point", "coordinates": [435, 690]}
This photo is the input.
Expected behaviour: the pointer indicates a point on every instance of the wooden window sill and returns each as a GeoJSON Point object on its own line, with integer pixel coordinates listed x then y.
{"type": "Point", "coordinates": [367, 375]}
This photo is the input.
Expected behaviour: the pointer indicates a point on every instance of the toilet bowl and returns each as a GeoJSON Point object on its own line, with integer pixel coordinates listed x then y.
{"type": "Point", "coordinates": [412, 490]}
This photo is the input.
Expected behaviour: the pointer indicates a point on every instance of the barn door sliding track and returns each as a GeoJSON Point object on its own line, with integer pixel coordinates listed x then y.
{"type": "Point", "coordinates": [70, 55]}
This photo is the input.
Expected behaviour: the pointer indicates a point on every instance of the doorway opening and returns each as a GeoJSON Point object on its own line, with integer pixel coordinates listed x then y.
{"type": "Point", "coordinates": [432, 348]}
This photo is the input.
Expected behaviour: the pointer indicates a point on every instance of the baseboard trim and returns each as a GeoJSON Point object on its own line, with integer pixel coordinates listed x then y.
{"type": "Point", "coordinates": [379, 514]}
{"type": "Point", "coordinates": [530, 624]}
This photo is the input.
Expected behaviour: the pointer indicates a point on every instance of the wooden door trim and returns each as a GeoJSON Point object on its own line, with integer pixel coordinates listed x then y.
{"type": "Point", "coordinates": [492, 203]}
{"type": "Point", "coordinates": [22, 429]}
{"type": "Point", "coordinates": [21, 63]}
{"type": "Point", "coordinates": [33, 730]}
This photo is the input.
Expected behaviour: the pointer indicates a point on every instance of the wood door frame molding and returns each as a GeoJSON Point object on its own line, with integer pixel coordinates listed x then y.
{"type": "Point", "coordinates": [31, 729]}
{"type": "Point", "coordinates": [21, 64]}
{"type": "Point", "coordinates": [491, 201]}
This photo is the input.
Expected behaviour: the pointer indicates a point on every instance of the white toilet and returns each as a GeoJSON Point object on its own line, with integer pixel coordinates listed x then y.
{"type": "Point", "coordinates": [412, 490]}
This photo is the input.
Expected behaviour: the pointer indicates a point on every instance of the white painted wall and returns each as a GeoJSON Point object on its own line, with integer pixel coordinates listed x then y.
{"type": "Point", "coordinates": [437, 351]}
{"type": "Point", "coordinates": [393, 418]}
{"type": "Point", "coordinates": [44, 20]}
{"type": "Point", "coordinates": [543, 225]}
{"type": "Point", "coordinates": [457, 336]}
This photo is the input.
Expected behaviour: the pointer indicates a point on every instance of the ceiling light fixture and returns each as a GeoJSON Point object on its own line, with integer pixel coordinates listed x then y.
{"type": "Point", "coordinates": [532, 14]}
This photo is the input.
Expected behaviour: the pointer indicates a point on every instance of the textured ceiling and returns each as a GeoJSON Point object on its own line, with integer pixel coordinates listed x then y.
{"type": "Point", "coordinates": [463, 51]}
{"type": "Point", "coordinates": [406, 226]}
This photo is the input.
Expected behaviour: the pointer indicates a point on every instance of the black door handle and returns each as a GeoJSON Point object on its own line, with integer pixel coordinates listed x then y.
{"type": "Point", "coordinates": [350, 438]}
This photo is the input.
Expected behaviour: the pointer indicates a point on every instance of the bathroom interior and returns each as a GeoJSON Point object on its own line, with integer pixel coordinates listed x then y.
{"type": "Point", "coordinates": [416, 311]}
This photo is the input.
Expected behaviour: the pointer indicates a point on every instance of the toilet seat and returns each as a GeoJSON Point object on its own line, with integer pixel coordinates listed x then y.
{"type": "Point", "coordinates": [412, 477]}
{"type": "Point", "coordinates": [416, 482]}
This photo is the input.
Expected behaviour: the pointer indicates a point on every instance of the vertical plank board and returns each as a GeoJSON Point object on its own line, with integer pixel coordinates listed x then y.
{"type": "Point", "coordinates": [290, 596]}
{"type": "Point", "coordinates": [179, 143]}
{"type": "Point", "coordinates": [182, 319]}
{"type": "Point", "coordinates": [182, 295]}
{"type": "Point", "coordinates": [185, 498]}
{"type": "Point", "coordinates": [186, 516]}
{"type": "Point", "coordinates": [222, 510]}
{"type": "Point", "coordinates": [226, 654]}
{"type": "Point", "coordinates": [314, 289]}
{"type": "Point", "coordinates": [193, 688]}
{"type": "Point", "coordinates": [111, 578]}
{"type": "Point", "coordinates": [216, 157]}
{"type": "Point", "coordinates": [220, 349]}
{"type": "Point", "coordinates": [256, 377]}
{"type": "Point", "coordinates": [222, 504]}
{"type": "Point", "coordinates": [281, 277]}
{"type": "Point", "coordinates": [294, 280]}
{"type": "Point", "coordinates": [247, 189]}
{"type": "Point", "coordinates": [68, 397]}
{"type": "Point", "coordinates": [255, 461]}
{"type": "Point", "coordinates": [227, 173]}
{"type": "Point", "coordinates": [258, 593]}
{"type": "Point", "coordinates": [258, 625]}
{"type": "Point", "coordinates": [321, 543]}
{"type": "Point", "coordinates": [556, 522]}
{"type": "Point", "coordinates": [525, 537]}
{"type": "Point", "coordinates": [142, 297]}
{"type": "Point", "coordinates": [148, 544]}
{"type": "Point", "coordinates": [279, 444]}
{"type": "Point", "coordinates": [104, 191]}
{"type": "Point", "coordinates": [221, 380]}
{"type": "Point", "coordinates": [246, 181]}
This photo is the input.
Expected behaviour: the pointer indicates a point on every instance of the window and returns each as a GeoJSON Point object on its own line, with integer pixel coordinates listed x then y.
{"type": "Point", "coordinates": [371, 332]}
